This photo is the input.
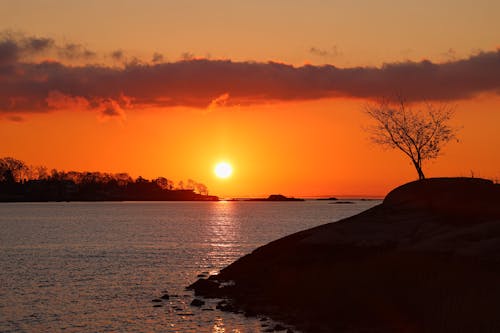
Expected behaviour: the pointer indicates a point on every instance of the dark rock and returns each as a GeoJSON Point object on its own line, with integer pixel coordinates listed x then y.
{"type": "Point", "coordinates": [197, 302]}
{"type": "Point", "coordinates": [279, 327]}
{"type": "Point", "coordinates": [203, 274]}
{"type": "Point", "coordinates": [250, 313]}
{"type": "Point", "coordinates": [462, 197]}
{"type": "Point", "coordinates": [156, 300]}
{"type": "Point", "coordinates": [165, 296]}
{"type": "Point", "coordinates": [425, 260]}
{"type": "Point", "coordinates": [226, 306]}
{"type": "Point", "coordinates": [157, 306]}
{"type": "Point", "coordinates": [205, 287]}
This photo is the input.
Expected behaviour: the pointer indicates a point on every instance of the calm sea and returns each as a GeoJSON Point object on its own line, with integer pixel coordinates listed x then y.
{"type": "Point", "coordinates": [95, 267]}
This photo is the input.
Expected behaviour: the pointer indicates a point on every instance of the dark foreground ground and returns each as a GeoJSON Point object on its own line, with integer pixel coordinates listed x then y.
{"type": "Point", "coordinates": [426, 260]}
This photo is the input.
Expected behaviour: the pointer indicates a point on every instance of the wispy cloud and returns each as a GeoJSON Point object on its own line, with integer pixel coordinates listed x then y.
{"type": "Point", "coordinates": [332, 52]}
{"type": "Point", "coordinates": [219, 101]}
{"type": "Point", "coordinates": [157, 57]}
{"type": "Point", "coordinates": [15, 118]}
{"type": "Point", "coordinates": [18, 47]}
{"type": "Point", "coordinates": [28, 85]}
{"type": "Point", "coordinates": [117, 55]}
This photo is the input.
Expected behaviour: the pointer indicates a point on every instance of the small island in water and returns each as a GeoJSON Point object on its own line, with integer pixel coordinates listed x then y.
{"type": "Point", "coordinates": [275, 197]}
{"type": "Point", "coordinates": [425, 260]}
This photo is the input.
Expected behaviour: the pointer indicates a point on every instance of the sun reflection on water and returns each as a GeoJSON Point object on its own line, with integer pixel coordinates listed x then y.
{"type": "Point", "coordinates": [219, 327]}
{"type": "Point", "coordinates": [223, 234]}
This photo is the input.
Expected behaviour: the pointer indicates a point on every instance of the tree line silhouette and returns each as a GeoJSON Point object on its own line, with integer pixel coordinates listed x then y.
{"type": "Point", "coordinates": [20, 182]}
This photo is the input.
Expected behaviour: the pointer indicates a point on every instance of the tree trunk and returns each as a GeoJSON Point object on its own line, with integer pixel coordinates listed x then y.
{"type": "Point", "coordinates": [420, 174]}
{"type": "Point", "coordinates": [418, 167]}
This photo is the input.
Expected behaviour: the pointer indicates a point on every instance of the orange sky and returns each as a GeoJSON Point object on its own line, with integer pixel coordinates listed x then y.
{"type": "Point", "coordinates": [294, 136]}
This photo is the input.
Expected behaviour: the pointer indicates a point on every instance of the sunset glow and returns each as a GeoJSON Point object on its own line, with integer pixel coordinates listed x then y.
{"type": "Point", "coordinates": [152, 99]}
{"type": "Point", "coordinates": [249, 166]}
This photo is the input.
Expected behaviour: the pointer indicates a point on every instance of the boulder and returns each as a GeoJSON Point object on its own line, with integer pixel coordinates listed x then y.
{"type": "Point", "coordinates": [197, 302]}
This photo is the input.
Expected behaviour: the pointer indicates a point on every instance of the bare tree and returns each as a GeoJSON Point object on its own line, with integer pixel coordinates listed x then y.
{"type": "Point", "coordinates": [164, 183]}
{"type": "Point", "coordinates": [419, 133]}
{"type": "Point", "coordinates": [12, 170]}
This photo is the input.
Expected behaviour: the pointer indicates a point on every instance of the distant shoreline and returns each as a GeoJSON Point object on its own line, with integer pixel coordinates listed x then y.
{"type": "Point", "coordinates": [37, 191]}
{"type": "Point", "coordinates": [127, 200]}
{"type": "Point", "coordinates": [22, 183]}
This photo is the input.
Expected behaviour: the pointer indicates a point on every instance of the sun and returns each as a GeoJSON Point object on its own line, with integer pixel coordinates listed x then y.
{"type": "Point", "coordinates": [223, 170]}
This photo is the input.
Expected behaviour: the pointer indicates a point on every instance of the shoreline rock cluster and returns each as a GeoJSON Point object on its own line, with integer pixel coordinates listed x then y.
{"type": "Point", "coordinates": [425, 260]}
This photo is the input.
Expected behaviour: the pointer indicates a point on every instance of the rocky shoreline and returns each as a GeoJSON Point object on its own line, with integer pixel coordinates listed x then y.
{"type": "Point", "coordinates": [425, 260]}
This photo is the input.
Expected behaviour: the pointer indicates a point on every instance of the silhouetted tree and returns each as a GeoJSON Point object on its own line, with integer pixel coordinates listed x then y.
{"type": "Point", "coordinates": [123, 179]}
{"type": "Point", "coordinates": [36, 172]}
{"type": "Point", "coordinates": [11, 169]}
{"type": "Point", "coordinates": [190, 184]}
{"type": "Point", "coordinates": [201, 188]}
{"type": "Point", "coordinates": [163, 183]}
{"type": "Point", "coordinates": [141, 180]}
{"type": "Point", "coordinates": [418, 133]}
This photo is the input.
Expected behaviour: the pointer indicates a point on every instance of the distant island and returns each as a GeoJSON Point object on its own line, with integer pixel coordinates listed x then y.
{"type": "Point", "coordinates": [275, 197]}
{"type": "Point", "coordinates": [21, 183]}
{"type": "Point", "coordinates": [425, 260]}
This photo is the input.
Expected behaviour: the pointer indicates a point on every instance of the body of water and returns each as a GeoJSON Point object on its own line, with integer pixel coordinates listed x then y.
{"type": "Point", "coordinates": [95, 267]}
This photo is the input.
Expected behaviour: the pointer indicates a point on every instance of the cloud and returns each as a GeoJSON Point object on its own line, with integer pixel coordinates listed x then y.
{"type": "Point", "coordinates": [41, 86]}
{"type": "Point", "coordinates": [75, 51]}
{"type": "Point", "coordinates": [157, 57]}
{"type": "Point", "coordinates": [15, 47]}
{"type": "Point", "coordinates": [107, 107]}
{"type": "Point", "coordinates": [35, 45]}
{"type": "Point", "coordinates": [187, 56]}
{"type": "Point", "coordinates": [15, 118]}
{"type": "Point", "coordinates": [331, 53]}
{"type": "Point", "coordinates": [57, 100]}
{"type": "Point", "coordinates": [219, 101]}
{"type": "Point", "coordinates": [111, 108]}
{"type": "Point", "coordinates": [117, 55]}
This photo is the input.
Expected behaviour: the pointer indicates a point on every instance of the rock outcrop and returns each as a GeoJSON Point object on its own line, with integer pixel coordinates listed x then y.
{"type": "Point", "coordinates": [426, 260]}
